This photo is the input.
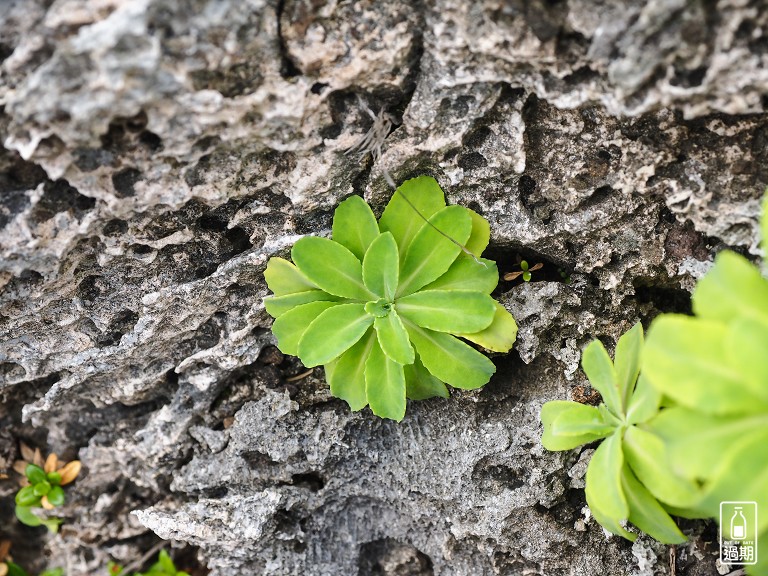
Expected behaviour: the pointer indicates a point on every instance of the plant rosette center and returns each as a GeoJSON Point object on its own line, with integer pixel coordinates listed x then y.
{"type": "Point", "coordinates": [380, 308]}
{"type": "Point", "coordinates": [388, 307]}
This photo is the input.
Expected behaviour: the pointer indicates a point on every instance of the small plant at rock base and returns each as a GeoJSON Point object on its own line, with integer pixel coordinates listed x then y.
{"type": "Point", "coordinates": [163, 567]}
{"type": "Point", "coordinates": [383, 305]}
{"type": "Point", "coordinates": [42, 486]}
{"type": "Point", "coordinates": [10, 568]}
{"type": "Point", "coordinates": [626, 478]}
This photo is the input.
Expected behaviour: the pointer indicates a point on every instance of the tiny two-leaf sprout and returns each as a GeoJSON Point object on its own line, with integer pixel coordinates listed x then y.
{"type": "Point", "coordinates": [524, 271]}
{"type": "Point", "coordinates": [384, 305]}
{"type": "Point", "coordinates": [627, 478]}
{"type": "Point", "coordinates": [9, 568]}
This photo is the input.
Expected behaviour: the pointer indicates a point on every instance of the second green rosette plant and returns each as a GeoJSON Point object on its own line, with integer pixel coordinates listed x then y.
{"type": "Point", "coordinates": [381, 304]}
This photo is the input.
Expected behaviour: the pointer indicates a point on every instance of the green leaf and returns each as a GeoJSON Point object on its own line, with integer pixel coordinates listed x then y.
{"type": "Point", "coordinates": [393, 338]}
{"type": "Point", "coordinates": [284, 278]}
{"type": "Point", "coordinates": [699, 443]}
{"type": "Point", "coordinates": [685, 359]}
{"type": "Point", "coordinates": [647, 455]}
{"type": "Point", "coordinates": [764, 229]}
{"type": "Point", "coordinates": [401, 219]}
{"type": "Point", "coordinates": [570, 424]}
{"type": "Point", "coordinates": [381, 267]}
{"type": "Point", "coordinates": [15, 569]}
{"type": "Point", "coordinates": [742, 476]}
{"type": "Point", "coordinates": [645, 402]}
{"type": "Point", "coordinates": [466, 274]}
{"type": "Point", "coordinates": [448, 310]}
{"type": "Point", "coordinates": [602, 375]}
{"type": "Point", "coordinates": [604, 493]}
{"type": "Point", "coordinates": [430, 254]}
{"type": "Point", "coordinates": [746, 344]}
{"type": "Point", "coordinates": [291, 326]}
{"type": "Point", "coordinates": [52, 524]}
{"type": "Point", "coordinates": [579, 420]}
{"type": "Point", "coordinates": [165, 562]}
{"type": "Point", "coordinates": [25, 516]}
{"type": "Point", "coordinates": [384, 385]}
{"type": "Point", "coordinates": [627, 362]}
{"type": "Point", "coordinates": [276, 306]}
{"type": "Point", "coordinates": [761, 567]}
{"type": "Point", "coordinates": [346, 375]}
{"type": "Point", "coordinates": [42, 488]}
{"type": "Point", "coordinates": [481, 234]}
{"type": "Point", "coordinates": [646, 513]}
{"type": "Point", "coordinates": [34, 473]}
{"type": "Point", "coordinates": [27, 497]}
{"type": "Point", "coordinates": [334, 331]}
{"type": "Point", "coordinates": [500, 335]}
{"type": "Point", "coordinates": [420, 384]}
{"type": "Point", "coordinates": [449, 359]}
{"type": "Point", "coordinates": [53, 572]}
{"type": "Point", "coordinates": [732, 288]}
{"type": "Point", "coordinates": [331, 266]}
{"type": "Point", "coordinates": [354, 226]}
{"type": "Point", "coordinates": [56, 496]}
{"type": "Point", "coordinates": [54, 478]}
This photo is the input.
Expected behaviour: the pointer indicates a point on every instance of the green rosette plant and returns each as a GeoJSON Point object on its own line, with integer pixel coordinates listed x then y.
{"type": "Point", "coordinates": [713, 369]}
{"type": "Point", "coordinates": [627, 478]}
{"type": "Point", "coordinates": [384, 306]}
{"type": "Point", "coordinates": [694, 432]}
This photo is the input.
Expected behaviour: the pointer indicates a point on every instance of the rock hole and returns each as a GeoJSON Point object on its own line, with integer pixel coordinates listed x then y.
{"type": "Point", "coordinates": [58, 197]}
{"type": "Point", "coordinates": [257, 460]}
{"type": "Point", "coordinates": [475, 138]}
{"type": "Point", "coordinates": [599, 196]}
{"type": "Point", "coordinates": [318, 87]}
{"type": "Point", "coordinates": [310, 480]}
{"type": "Point", "coordinates": [91, 287]}
{"type": "Point", "coordinates": [89, 159]}
{"type": "Point", "coordinates": [137, 123]}
{"type": "Point", "coordinates": [664, 298]}
{"type": "Point", "coordinates": [125, 181]}
{"type": "Point", "coordinates": [5, 51]}
{"type": "Point", "coordinates": [115, 227]}
{"type": "Point", "coordinates": [288, 68]}
{"type": "Point", "coordinates": [123, 323]}
{"type": "Point", "coordinates": [689, 78]}
{"type": "Point", "coordinates": [151, 140]}
{"type": "Point", "coordinates": [472, 161]}
{"type": "Point", "coordinates": [494, 477]}
{"type": "Point", "coordinates": [526, 187]}
{"type": "Point", "coordinates": [389, 557]}
{"type": "Point", "coordinates": [11, 371]}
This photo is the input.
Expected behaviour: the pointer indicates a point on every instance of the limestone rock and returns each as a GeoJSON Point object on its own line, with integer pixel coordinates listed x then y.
{"type": "Point", "coordinates": [156, 153]}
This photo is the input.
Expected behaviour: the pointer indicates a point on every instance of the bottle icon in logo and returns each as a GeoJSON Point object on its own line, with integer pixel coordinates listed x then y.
{"type": "Point", "coordinates": [738, 525]}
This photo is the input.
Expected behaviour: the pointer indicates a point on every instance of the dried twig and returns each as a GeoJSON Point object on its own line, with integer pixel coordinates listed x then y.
{"type": "Point", "coordinates": [299, 376]}
{"type": "Point", "coordinates": [136, 564]}
{"type": "Point", "coordinates": [372, 142]}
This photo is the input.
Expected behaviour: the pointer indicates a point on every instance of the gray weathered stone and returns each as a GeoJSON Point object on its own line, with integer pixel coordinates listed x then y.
{"type": "Point", "coordinates": [156, 153]}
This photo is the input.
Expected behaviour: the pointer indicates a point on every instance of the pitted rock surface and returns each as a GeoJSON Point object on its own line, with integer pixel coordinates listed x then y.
{"type": "Point", "coordinates": [156, 153]}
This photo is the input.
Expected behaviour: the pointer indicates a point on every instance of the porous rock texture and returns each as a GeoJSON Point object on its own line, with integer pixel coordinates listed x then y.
{"type": "Point", "coordinates": [157, 152]}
